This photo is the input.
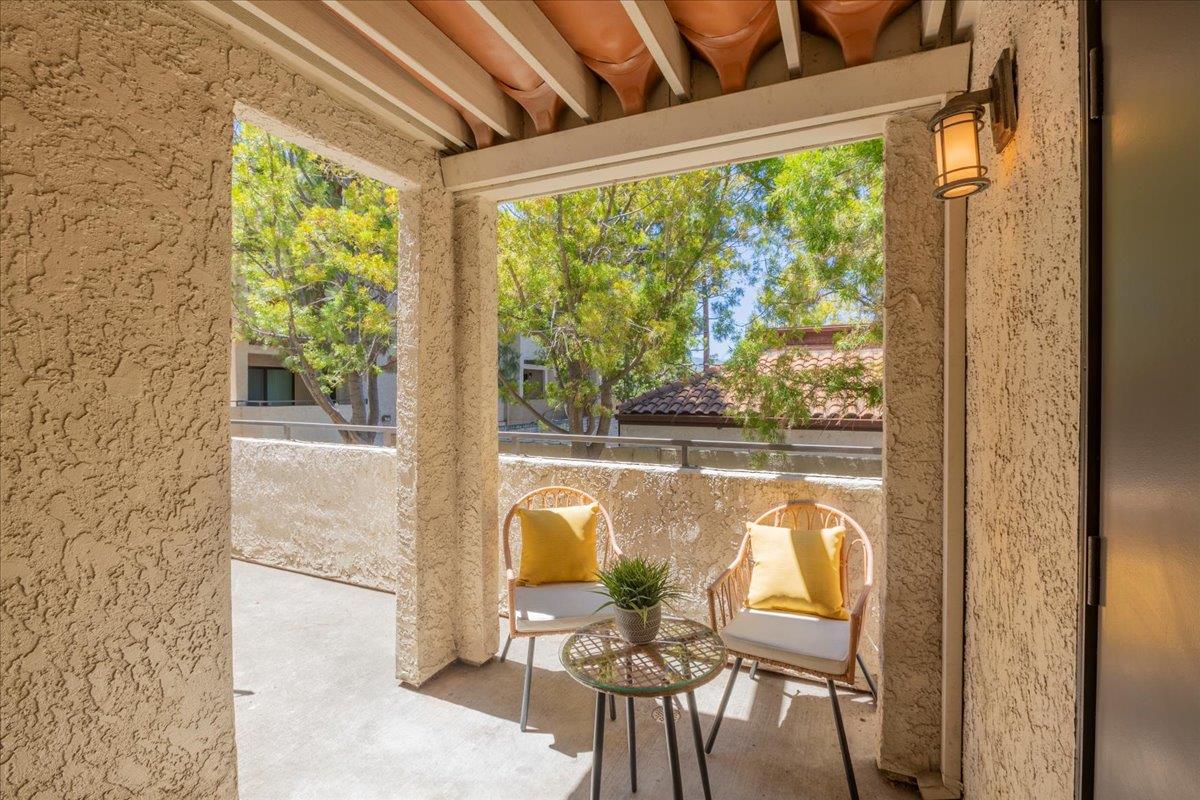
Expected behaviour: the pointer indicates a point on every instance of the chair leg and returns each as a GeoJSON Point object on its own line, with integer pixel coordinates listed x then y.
{"type": "Point", "coordinates": [612, 707]}
{"type": "Point", "coordinates": [870, 680]}
{"type": "Point", "coordinates": [841, 732]}
{"type": "Point", "coordinates": [753, 670]}
{"type": "Point", "coordinates": [528, 683]}
{"type": "Point", "coordinates": [504, 652]}
{"type": "Point", "coordinates": [712, 735]}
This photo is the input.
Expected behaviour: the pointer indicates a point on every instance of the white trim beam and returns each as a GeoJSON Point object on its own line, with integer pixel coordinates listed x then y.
{"type": "Point", "coordinates": [325, 37]}
{"type": "Point", "coordinates": [932, 12]}
{"type": "Point", "coordinates": [657, 28]}
{"type": "Point", "coordinates": [525, 29]}
{"type": "Point", "coordinates": [403, 32]}
{"type": "Point", "coordinates": [257, 34]}
{"type": "Point", "coordinates": [843, 105]}
{"type": "Point", "coordinates": [965, 14]}
{"type": "Point", "coordinates": [789, 28]}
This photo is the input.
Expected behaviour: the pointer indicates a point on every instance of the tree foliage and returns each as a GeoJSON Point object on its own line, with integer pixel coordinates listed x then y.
{"type": "Point", "coordinates": [827, 204]}
{"type": "Point", "coordinates": [314, 256]}
{"type": "Point", "coordinates": [608, 281]}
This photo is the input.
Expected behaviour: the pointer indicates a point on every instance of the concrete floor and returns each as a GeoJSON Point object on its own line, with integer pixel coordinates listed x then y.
{"type": "Point", "coordinates": [320, 715]}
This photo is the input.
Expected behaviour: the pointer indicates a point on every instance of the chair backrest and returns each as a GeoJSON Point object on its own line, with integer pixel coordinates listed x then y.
{"type": "Point", "coordinates": [554, 497]}
{"type": "Point", "coordinates": [809, 515]}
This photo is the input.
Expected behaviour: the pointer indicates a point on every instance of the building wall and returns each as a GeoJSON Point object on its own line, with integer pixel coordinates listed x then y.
{"type": "Point", "coordinates": [696, 518]}
{"type": "Point", "coordinates": [1023, 375]}
{"type": "Point", "coordinates": [911, 694]}
{"type": "Point", "coordinates": [325, 510]}
{"type": "Point", "coordinates": [116, 338]}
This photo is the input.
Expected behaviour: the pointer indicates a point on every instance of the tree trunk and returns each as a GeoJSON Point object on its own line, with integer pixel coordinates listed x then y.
{"type": "Point", "coordinates": [372, 404]}
{"type": "Point", "coordinates": [707, 321]}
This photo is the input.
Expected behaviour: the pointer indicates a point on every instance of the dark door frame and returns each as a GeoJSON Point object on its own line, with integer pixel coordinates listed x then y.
{"type": "Point", "coordinates": [1089, 443]}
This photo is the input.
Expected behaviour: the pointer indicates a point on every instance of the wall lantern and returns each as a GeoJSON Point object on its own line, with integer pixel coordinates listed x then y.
{"type": "Point", "coordinates": [956, 126]}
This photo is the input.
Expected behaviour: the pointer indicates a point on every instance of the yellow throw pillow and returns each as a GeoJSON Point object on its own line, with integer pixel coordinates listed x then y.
{"type": "Point", "coordinates": [558, 545]}
{"type": "Point", "coordinates": [796, 570]}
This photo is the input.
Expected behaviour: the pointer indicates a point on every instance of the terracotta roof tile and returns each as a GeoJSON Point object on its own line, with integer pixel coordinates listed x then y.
{"type": "Point", "coordinates": [702, 395]}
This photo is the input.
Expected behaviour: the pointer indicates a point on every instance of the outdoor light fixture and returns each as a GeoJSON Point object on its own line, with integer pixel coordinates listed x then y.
{"type": "Point", "coordinates": [956, 126]}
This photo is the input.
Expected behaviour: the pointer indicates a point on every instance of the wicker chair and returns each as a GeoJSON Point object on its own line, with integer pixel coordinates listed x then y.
{"type": "Point", "coordinates": [553, 608]}
{"type": "Point", "coordinates": [797, 643]}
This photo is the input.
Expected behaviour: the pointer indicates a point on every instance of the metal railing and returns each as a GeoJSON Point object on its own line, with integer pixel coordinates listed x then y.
{"type": "Point", "coordinates": [389, 431]}
{"type": "Point", "coordinates": [684, 446]}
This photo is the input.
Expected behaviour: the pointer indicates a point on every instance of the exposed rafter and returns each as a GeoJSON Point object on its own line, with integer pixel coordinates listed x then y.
{"type": "Point", "coordinates": [524, 28]}
{"type": "Point", "coordinates": [257, 33]}
{"type": "Point", "coordinates": [932, 13]}
{"type": "Point", "coordinates": [401, 31]}
{"type": "Point", "coordinates": [658, 30]}
{"type": "Point", "coordinates": [789, 30]}
{"type": "Point", "coordinates": [321, 33]}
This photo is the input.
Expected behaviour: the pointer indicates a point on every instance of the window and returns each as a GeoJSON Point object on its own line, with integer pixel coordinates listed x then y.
{"type": "Point", "coordinates": [533, 383]}
{"type": "Point", "coordinates": [271, 386]}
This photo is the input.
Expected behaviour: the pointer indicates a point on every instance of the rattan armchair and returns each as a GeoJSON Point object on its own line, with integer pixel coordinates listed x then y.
{"type": "Point", "coordinates": [796, 643]}
{"type": "Point", "coordinates": [553, 608]}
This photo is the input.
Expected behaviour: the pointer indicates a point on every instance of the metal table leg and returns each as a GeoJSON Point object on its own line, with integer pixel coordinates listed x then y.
{"type": "Point", "coordinates": [632, 744]}
{"type": "Point", "coordinates": [697, 740]}
{"type": "Point", "coordinates": [672, 748]}
{"type": "Point", "coordinates": [598, 746]}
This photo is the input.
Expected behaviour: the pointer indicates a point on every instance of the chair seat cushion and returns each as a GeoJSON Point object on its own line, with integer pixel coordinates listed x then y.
{"type": "Point", "coordinates": [802, 640]}
{"type": "Point", "coordinates": [558, 606]}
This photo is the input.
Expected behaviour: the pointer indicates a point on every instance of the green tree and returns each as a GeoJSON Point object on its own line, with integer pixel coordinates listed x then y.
{"type": "Point", "coordinates": [314, 255]}
{"type": "Point", "coordinates": [609, 282]}
{"type": "Point", "coordinates": [827, 204]}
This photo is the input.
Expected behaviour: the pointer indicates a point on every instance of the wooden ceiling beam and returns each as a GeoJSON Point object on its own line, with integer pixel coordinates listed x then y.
{"type": "Point", "coordinates": [658, 30]}
{"type": "Point", "coordinates": [789, 28]}
{"type": "Point", "coordinates": [405, 34]}
{"type": "Point", "coordinates": [253, 31]}
{"type": "Point", "coordinates": [525, 29]}
{"type": "Point", "coordinates": [932, 13]}
{"type": "Point", "coordinates": [318, 31]}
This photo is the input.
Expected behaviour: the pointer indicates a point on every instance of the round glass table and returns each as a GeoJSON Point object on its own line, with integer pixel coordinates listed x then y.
{"type": "Point", "coordinates": [683, 656]}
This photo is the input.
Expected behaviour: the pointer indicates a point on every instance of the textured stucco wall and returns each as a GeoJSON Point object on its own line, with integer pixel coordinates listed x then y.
{"type": "Point", "coordinates": [696, 518]}
{"type": "Point", "coordinates": [116, 630]}
{"type": "Point", "coordinates": [323, 509]}
{"type": "Point", "coordinates": [910, 701]}
{"type": "Point", "coordinates": [478, 456]}
{"type": "Point", "coordinates": [1023, 344]}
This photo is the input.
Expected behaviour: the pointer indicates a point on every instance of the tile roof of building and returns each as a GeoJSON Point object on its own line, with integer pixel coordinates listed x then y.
{"type": "Point", "coordinates": [702, 398]}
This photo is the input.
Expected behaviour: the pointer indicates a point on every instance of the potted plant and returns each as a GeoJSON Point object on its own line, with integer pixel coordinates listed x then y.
{"type": "Point", "coordinates": [637, 587]}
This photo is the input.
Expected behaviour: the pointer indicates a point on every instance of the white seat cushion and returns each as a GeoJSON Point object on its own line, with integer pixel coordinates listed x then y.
{"type": "Point", "coordinates": [802, 640]}
{"type": "Point", "coordinates": [559, 606]}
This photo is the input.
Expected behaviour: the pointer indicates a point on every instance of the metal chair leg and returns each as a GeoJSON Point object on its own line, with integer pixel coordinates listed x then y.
{"type": "Point", "coordinates": [753, 670]}
{"type": "Point", "coordinates": [528, 683]}
{"type": "Point", "coordinates": [597, 746]}
{"type": "Point", "coordinates": [870, 680]}
{"type": "Point", "coordinates": [712, 735]}
{"type": "Point", "coordinates": [629, 728]}
{"type": "Point", "coordinates": [612, 708]}
{"type": "Point", "coordinates": [504, 652]}
{"type": "Point", "coordinates": [841, 732]}
{"type": "Point", "coordinates": [696, 739]}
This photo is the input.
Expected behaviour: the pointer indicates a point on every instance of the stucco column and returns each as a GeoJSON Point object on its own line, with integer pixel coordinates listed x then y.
{"type": "Point", "coordinates": [910, 693]}
{"type": "Point", "coordinates": [425, 436]}
{"type": "Point", "coordinates": [474, 252]}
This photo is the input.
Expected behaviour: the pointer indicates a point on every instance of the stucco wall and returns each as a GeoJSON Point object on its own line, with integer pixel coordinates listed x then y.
{"type": "Point", "coordinates": [117, 120]}
{"type": "Point", "coordinates": [1023, 344]}
{"type": "Point", "coordinates": [696, 518]}
{"type": "Point", "coordinates": [323, 509]}
{"type": "Point", "coordinates": [911, 693]}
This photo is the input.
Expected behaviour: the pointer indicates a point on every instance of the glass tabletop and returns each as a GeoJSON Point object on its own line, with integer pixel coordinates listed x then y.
{"type": "Point", "coordinates": [684, 655]}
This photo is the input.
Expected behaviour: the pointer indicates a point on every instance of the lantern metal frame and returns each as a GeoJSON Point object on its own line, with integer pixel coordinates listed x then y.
{"type": "Point", "coordinates": [1001, 95]}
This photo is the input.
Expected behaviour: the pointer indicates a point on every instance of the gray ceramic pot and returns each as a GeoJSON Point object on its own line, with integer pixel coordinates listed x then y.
{"type": "Point", "coordinates": [633, 629]}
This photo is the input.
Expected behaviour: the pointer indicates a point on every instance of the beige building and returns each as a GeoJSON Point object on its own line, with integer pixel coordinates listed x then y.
{"type": "Point", "coordinates": [1035, 517]}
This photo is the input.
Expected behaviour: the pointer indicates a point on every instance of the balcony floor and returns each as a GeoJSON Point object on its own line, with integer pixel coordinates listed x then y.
{"type": "Point", "coordinates": [320, 715]}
